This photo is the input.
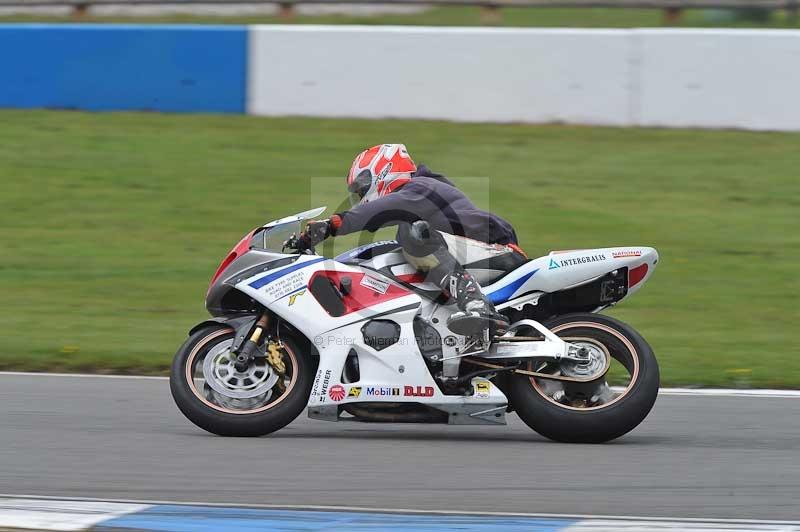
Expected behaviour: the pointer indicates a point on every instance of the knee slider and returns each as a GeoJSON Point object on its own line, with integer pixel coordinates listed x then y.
{"type": "Point", "coordinates": [419, 240]}
{"type": "Point", "coordinates": [420, 231]}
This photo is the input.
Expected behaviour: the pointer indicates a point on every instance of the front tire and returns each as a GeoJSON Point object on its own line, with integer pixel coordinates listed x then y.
{"type": "Point", "coordinates": [581, 413]}
{"type": "Point", "coordinates": [210, 409]}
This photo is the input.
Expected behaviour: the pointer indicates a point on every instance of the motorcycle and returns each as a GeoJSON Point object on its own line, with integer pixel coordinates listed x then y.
{"type": "Point", "coordinates": [363, 338]}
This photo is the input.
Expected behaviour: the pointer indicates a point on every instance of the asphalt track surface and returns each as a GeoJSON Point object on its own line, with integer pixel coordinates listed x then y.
{"type": "Point", "coordinates": [704, 457]}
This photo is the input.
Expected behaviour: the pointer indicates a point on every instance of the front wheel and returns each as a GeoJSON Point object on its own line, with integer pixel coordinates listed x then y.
{"type": "Point", "coordinates": [217, 397]}
{"type": "Point", "coordinates": [590, 412]}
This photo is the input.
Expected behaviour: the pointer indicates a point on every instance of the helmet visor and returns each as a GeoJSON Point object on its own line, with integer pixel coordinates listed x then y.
{"type": "Point", "coordinates": [360, 186]}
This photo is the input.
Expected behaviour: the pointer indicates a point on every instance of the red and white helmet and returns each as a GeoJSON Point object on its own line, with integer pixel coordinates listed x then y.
{"type": "Point", "coordinates": [379, 170]}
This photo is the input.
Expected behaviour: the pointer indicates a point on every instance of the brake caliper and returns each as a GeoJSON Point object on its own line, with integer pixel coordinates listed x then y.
{"type": "Point", "coordinates": [275, 358]}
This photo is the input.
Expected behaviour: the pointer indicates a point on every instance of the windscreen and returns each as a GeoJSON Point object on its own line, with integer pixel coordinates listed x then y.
{"type": "Point", "coordinates": [272, 238]}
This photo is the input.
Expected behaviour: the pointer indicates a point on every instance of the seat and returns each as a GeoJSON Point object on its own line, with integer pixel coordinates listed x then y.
{"type": "Point", "coordinates": [486, 262]}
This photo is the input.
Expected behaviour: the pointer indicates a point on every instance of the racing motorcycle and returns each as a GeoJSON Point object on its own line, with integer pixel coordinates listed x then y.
{"type": "Point", "coordinates": [363, 338]}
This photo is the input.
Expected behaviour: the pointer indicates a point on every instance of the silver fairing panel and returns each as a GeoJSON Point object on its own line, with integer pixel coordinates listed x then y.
{"type": "Point", "coordinates": [219, 300]}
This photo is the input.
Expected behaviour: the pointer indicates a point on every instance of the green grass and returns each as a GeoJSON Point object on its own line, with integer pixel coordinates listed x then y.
{"type": "Point", "coordinates": [469, 16]}
{"type": "Point", "coordinates": [111, 225]}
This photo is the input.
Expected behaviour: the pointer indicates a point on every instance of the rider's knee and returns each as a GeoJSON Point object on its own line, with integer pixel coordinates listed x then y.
{"type": "Point", "coordinates": [418, 239]}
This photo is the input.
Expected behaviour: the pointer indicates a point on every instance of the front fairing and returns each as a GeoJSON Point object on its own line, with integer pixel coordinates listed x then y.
{"type": "Point", "coordinates": [294, 292]}
{"type": "Point", "coordinates": [223, 299]}
{"type": "Point", "coordinates": [260, 250]}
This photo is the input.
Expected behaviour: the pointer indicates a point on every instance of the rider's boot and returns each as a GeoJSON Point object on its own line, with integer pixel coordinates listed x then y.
{"type": "Point", "coordinates": [475, 311]}
{"type": "Point", "coordinates": [427, 251]}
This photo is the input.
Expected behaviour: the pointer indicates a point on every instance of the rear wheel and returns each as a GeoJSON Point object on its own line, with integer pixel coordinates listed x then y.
{"type": "Point", "coordinates": [215, 396]}
{"type": "Point", "coordinates": [599, 410]}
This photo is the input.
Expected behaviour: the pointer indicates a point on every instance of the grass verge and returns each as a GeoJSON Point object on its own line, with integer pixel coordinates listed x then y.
{"type": "Point", "coordinates": [111, 225]}
{"type": "Point", "coordinates": [469, 16]}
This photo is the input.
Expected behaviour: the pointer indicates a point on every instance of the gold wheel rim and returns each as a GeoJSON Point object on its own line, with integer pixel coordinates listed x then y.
{"type": "Point", "coordinates": [631, 349]}
{"type": "Point", "coordinates": [189, 375]}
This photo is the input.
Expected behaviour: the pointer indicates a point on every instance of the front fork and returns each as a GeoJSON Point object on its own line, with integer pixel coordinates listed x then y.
{"type": "Point", "coordinates": [246, 352]}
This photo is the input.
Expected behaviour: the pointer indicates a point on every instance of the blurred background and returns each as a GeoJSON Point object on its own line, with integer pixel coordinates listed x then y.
{"type": "Point", "coordinates": [132, 157]}
{"type": "Point", "coordinates": [515, 13]}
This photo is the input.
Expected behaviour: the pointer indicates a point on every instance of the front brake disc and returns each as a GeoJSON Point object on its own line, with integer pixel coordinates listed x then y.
{"type": "Point", "coordinates": [221, 375]}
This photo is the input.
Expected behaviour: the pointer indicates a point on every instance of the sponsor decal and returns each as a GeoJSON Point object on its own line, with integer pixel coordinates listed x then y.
{"type": "Point", "coordinates": [418, 391]}
{"type": "Point", "coordinates": [315, 388]}
{"type": "Point", "coordinates": [272, 277]}
{"type": "Point", "coordinates": [293, 297]}
{"type": "Point", "coordinates": [376, 285]}
{"type": "Point", "coordinates": [286, 285]}
{"type": "Point", "coordinates": [576, 260]}
{"type": "Point", "coordinates": [625, 254]}
{"type": "Point", "coordinates": [337, 392]}
{"type": "Point", "coordinates": [323, 391]}
{"type": "Point", "coordinates": [385, 171]}
{"type": "Point", "coordinates": [482, 389]}
{"type": "Point", "coordinates": [382, 390]}
{"type": "Point", "coordinates": [355, 392]}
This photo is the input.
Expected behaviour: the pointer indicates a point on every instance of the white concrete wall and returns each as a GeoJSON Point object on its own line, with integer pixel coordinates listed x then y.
{"type": "Point", "coordinates": [681, 78]}
{"type": "Point", "coordinates": [454, 74]}
{"type": "Point", "coordinates": [720, 78]}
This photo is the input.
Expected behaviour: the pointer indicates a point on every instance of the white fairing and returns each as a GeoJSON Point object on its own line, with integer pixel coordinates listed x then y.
{"type": "Point", "coordinates": [285, 292]}
{"type": "Point", "coordinates": [398, 372]}
{"type": "Point", "coordinates": [565, 269]}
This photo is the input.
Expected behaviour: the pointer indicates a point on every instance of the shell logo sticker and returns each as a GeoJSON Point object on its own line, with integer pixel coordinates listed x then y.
{"type": "Point", "coordinates": [336, 392]}
{"type": "Point", "coordinates": [355, 391]}
{"type": "Point", "coordinates": [482, 389]}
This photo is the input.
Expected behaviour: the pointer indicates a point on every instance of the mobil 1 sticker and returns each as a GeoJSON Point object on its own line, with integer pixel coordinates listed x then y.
{"type": "Point", "coordinates": [376, 285]}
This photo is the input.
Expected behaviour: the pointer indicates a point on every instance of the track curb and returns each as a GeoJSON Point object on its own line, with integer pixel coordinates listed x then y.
{"type": "Point", "coordinates": [51, 513]}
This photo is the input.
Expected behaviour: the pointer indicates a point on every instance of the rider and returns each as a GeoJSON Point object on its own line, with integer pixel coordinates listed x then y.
{"type": "Point", "coordinates": [392, 190]}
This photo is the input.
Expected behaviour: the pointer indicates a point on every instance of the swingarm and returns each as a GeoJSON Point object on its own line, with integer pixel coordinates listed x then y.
{"type": "Point", "coordinates": [538, 351]}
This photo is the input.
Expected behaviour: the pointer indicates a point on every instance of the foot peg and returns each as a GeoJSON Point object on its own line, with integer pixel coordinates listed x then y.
{"type": "Point", "coordinates": [471, 323]}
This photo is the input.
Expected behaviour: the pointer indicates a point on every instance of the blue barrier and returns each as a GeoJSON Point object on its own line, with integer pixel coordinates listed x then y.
{"type": "Point", "coordinates": [124, 67]}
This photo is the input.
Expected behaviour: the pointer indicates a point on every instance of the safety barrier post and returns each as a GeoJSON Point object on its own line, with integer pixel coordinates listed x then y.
{"type": "Point", "coordinates": [672, 16]}
{"type": "Point", "coordinates": [79, 11]}
{"type": "Point", "coordinates": [491, 15]}
{"type": "Point", "coordinates": [286, 11]}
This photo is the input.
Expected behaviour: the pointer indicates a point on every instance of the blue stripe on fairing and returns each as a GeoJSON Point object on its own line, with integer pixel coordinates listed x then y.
{"type": "Point", "coordinates": [213, 519]}
{"type": "Point", "coordinates": [502, 295]}
{"type": "Point", "coordinates": [347, 255]}
{"type": "Point", "coordinates": [258, 283]}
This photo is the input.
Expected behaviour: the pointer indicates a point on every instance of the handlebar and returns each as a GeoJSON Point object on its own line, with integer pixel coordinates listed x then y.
{"type": "Point", "coordinates": [297, 244]}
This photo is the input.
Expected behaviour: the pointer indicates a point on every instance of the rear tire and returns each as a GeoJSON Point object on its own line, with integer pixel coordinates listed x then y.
{"type": "Point", "coordinates": [596, 424]}
{"type": "Point", "coordinates": [226, 422]}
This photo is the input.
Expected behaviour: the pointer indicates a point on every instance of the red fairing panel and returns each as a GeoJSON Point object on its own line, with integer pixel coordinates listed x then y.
{"type": "Point", "coordinates": [238, 250]}
{"type": "Point", "coordinates": [363, 293]}
{"type": "Point", "coordinates": [636, 275]}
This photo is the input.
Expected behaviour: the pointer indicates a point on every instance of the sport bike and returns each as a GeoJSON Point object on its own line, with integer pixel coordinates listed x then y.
{"type": "Point", "coordinates": [363, 337]}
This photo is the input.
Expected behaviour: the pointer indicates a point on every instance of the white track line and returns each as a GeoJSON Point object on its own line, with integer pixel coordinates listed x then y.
{"type": "Point", "coordinates": [723, 392]}
{"type": "Point", "coordinates": [710, 392]}
{"type": "Point", "coordinates": [60, 514]}
{"type": "Point", "coordinates": [80, 375]}
{"type": "Point", "coordinates": [405, 510]}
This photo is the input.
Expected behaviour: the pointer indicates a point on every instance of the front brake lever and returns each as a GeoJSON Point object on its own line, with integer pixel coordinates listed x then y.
{"type": "Point", "coordinates": [290, 243]}
{"type": "Point", "coordinates": [295, 243]}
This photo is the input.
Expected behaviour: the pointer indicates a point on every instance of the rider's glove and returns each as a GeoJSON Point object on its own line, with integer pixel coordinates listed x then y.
{"type": "Point", "coordinates": [316, 231]}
